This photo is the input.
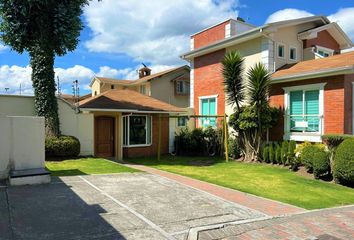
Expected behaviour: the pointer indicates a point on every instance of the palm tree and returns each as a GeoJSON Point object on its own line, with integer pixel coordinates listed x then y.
{"type": "Point", "coordinates": [232, 71]}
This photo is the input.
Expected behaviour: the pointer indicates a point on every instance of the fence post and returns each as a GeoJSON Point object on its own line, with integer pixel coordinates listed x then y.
{"type": "Point", "coordinates": [159, 140]}
{"type": "Point", "coordinates": [226, 145]}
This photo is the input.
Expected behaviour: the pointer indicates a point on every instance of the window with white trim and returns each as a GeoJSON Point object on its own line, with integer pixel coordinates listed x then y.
{"type": "Point", "coordinates": [137, 130]}
{"type": "Point", "coordinates": [281, 50]}
{"type": "Point", "coordinates": [143, 89]}
{"type": "Point", "coordinates": [182, 121]}
{"type": "Point", "coordinates": [182, 87]}
{"type": "Point", "coordinates": [304, 108]}
{"type": "Point", "coordinates": [208, 107]}
{"type": "Point", "coordinates": [324, 52]}
{"type": "Point", "coordinates": [292, 53]}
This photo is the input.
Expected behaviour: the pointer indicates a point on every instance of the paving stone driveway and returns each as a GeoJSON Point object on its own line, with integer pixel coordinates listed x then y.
{"type": "Point", "coordinates": [117, 206]}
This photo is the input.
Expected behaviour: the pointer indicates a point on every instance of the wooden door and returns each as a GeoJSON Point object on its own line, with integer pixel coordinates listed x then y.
{"type": "Point", "coordinates": [104, 136]}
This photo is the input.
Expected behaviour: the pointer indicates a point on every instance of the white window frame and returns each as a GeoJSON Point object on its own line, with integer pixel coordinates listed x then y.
{"type": "Point", "coordinates": [128, 131]}
{"type": "Point", "coordinates": [200, 104]}
{"type": "Point", "coordinates": [186, 88]}
{"type": "Point", "coordinates": [278, 45]}
{"type": "Point", "coordinates": [290, 48]}
{"type": "Point", "coordinates": [304, 136]}
{"type": "Point", "coordinates": [325, 50]}
{"type": "Point", "coordinates": [141, 87]}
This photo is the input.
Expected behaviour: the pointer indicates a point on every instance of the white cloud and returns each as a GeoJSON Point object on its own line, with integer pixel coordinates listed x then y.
{"type": "Point", "coordinates": [345, 18]}
{"type": "Point", "coordinates": [157, 31]}
{"type": "Point", "coordinates": [3, 47]}
{"type": "Point", "coordinates": [287, 14]}
{"type": "Point", "coordinates": [13, 77]}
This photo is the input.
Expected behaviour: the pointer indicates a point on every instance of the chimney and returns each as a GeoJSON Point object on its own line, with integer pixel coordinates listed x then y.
{"type": "Point", "coordinates": [144, 71]}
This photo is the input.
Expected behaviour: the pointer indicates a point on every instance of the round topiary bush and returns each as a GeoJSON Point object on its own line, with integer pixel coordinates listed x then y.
{"type": "Point", "coordinates": [308, 155]}
{"type": "Point", "coordinates": [63, 146]}
{"type": "Point", "coordinates": [343, 169]}
{"type": "Point", "coordinates": [320, 163]}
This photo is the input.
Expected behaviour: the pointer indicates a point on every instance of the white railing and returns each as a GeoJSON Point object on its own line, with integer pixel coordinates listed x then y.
{"type": "Point", "coordinates": [310, 123]}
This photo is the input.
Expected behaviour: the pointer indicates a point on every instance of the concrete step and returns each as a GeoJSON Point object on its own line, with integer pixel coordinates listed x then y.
{"type": "Point", "coordinates": [29, 176]}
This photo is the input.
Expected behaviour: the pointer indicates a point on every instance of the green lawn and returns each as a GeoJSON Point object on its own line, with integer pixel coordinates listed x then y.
{"type": "Point", "coordinates": [85, 166]}
{"type": "Point", "coordinates": [263, 180]}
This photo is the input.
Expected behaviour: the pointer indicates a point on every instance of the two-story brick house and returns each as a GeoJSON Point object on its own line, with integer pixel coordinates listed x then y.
{"type": "Point", "coordinates": [311, 78]}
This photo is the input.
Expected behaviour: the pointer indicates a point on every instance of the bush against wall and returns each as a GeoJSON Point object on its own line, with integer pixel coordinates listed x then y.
{"type": "Point", "coordinates": [308, 154]}
{"type": "Point", "coordinates": [62, 146]}
{"type": "Point", "coordinates": [343, 169]}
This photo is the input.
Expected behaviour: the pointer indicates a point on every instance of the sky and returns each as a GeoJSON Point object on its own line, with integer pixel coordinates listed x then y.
{"type": "Point", "coordinates": [120, 35]}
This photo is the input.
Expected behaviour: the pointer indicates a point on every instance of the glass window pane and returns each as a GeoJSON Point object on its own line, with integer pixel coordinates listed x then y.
{"type": "Point", "coordinates": [312, 108]}
{"type": "Point", "coordinates": [281, 51]}
{"type": "Point", "coordinates": [125, 127]}
{"type": "Point", "coordinates": [292, 53]}
{"type": "Point", "coordinates": [137, 130]}
{"type": "Point", "coordinates": [296, 104]}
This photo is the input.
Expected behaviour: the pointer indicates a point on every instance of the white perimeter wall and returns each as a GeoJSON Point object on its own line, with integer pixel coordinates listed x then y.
{"type": "Point", "coordinates": [75, 124]}
{"type": "Point", "coordinates": [21, 143]}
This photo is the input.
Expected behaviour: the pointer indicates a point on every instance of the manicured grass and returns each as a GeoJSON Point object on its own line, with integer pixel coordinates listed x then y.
{"type": "Point", "coordinates": [259, 179]}
{"type": "Point", "coordinates": [85, 166]}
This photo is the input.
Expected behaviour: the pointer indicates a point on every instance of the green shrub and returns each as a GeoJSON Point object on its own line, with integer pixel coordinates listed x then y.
{"type": "Point", "coordinates": [334, 140]}
{"type": "Point", "coordinates": [320, 163]}
{"type": "Point", "coordinates": [63, 146]}
{"type": "Point", "coordinates": [277, 154]}
{"type": "Point", "coordinates": [284, 151]}
{"type": "Point", "coordinates": [300, 147]}
{"type": "Point", "coordinates": [266, 154]}
{"type": "Point", "coordinates": [234, 151]}
{"type": "Point", "coordinates": [271, 153]}
{"type": "Point", "coordinates": [307, 154]}
{"type": "Point", "coordinates": [343, 170]}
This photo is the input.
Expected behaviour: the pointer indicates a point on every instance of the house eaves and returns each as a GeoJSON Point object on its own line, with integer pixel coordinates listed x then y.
{"type": "Point", "coordinates": [128, 110]}
{"type": "Point", "coordinates": [314, 74]}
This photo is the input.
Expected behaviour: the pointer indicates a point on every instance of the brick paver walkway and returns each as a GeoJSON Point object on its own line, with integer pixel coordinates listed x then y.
{"type": "Point", "coordinates": [267, 206]}
{"type": "Point", "coordinates": [328, 224]}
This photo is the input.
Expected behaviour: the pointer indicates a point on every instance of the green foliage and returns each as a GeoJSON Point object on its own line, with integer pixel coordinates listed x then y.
{"type": "Point", "coordinates": [300, 147]}
{"type": "Point", "coordinates": [320, 163]}
{"type": "Point", "coordinates": [343, 170]}
{"type": "Point", "coordinates": [266, 154]}
{"type": "Point", "coordinates": [232, 71]}
{"type": "Point", "coordinates": [62, 146]}
{"type": "Point", "coordinates": [284, 151]}
{"type": "Point", "coordinates": [43, 29]}
{"type": "Point", "coordinates": [334, 140]}
{"type": "Point", "coordinates": [271, 153]}
{"type": "Point", "coordinates": [308, 154]}
{"type": "Point", "coordinates": [277, 154]}
{"type": "Point", "coordinates": [196, 142]}
{"type": "Point", "coordinates": [234, 151]}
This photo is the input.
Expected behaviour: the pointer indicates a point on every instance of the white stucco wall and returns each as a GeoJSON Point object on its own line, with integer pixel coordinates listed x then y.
{"type": "Point", "coordinates": [21, 144]}
{"type": "Point", "coordinates": [79, 125]}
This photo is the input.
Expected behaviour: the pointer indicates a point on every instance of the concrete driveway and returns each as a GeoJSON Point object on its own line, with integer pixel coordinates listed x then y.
{"type": "Point", "coordinates": [117, 206]}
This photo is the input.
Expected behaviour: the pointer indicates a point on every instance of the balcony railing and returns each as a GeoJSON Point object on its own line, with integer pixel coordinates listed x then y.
{"type": "Point", "coordinates": [311, 123]}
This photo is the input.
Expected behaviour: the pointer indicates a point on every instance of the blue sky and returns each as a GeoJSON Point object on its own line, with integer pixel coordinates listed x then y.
{"type": "Point", "coordinates": [119, 35]}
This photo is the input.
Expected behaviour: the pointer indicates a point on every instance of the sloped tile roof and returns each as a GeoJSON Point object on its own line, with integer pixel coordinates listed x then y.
{"type": "Point", "coordinates": [140, 80]}
{"type": "Point", "coordinates": [323, 65]}
{"type": "Point", "coordinates": [127, 100]}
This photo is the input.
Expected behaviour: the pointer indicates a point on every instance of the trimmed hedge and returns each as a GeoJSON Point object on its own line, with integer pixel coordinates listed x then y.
{"type": "Point", "coordinates": [343, 170]}
{"type": "Point", "coordinates": [308, 154]}
{"type": "Point", "coordinates": [320, 163]}
{"type": "Point", "coordinates": [63, 146]}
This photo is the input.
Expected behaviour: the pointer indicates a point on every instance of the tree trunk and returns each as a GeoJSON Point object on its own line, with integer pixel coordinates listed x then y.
{"type": "Point", "coordinates": [46, 105]}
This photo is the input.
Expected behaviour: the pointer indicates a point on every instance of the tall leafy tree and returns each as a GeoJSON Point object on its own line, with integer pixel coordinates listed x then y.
{"type": "Point", "coordinates": [45, 29]}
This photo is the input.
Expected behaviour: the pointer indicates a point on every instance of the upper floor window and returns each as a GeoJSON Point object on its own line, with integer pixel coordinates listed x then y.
{"type": "Point", "coordinates": [112, 86]}
{"type": "Point", "coordinates": [142, 89]}
{"type": "Point", "coordinates": [182, 87]}
{"type": "Point", "coordinates": [281, 50]}
{"type": "Point", "coordinates": [324, 52]}
{"type": "Point", "coordinates": [292, 53]}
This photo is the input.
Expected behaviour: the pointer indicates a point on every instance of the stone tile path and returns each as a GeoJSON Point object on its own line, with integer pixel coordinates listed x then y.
{"type": "Point", "coordinates": [266, 206]}
{"type": "Point", "coordinates": [328, 224]}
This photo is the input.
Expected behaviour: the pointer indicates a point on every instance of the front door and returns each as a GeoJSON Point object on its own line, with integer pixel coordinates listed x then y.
{"type": "Point", "coordinates": [104, 136]}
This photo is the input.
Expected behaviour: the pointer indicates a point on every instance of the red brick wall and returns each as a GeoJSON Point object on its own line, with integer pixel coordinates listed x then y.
{"type": "Point", "coordinates": [348, 105]}
{"type": "Point", "coordinates": [324, 39]}
{"type": "Point", "coordinates": [334, 110]}
{"type": "Point", "coordinates": [211, 35]}
{"type": "Point", "coordinates": [133, 152]}
{"type": "Point", "coordinates": [208, 79]}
